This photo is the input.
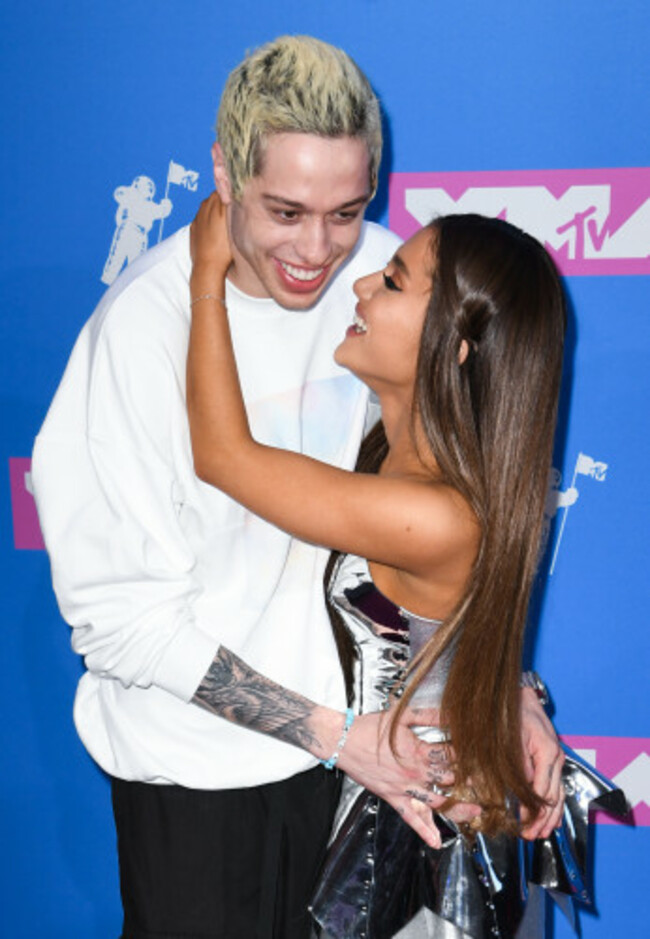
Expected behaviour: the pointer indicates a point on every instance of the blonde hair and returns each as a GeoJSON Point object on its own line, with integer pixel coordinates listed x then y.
{"type": "Point", "coordinates": [294, 84]}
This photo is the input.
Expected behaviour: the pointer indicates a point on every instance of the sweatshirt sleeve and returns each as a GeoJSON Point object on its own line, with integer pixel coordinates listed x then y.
{"type": "Point", "coordinates": [106, 493]}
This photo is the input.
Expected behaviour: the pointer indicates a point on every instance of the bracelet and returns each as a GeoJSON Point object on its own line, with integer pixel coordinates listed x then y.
{"type": "Point", "coordinates": [534, 682]}
{"type": "Point", "coordinates": [207, 296]}
{"type": "Point", "coordinates": [333, 760]}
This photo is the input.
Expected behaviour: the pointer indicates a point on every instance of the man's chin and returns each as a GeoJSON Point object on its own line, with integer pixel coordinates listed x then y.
{"type": "Point", "coordinates": [298, 304]}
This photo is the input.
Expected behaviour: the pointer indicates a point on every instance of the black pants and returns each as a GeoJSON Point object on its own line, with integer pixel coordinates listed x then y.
{"type": "Point", "coordinates": [230, 864]}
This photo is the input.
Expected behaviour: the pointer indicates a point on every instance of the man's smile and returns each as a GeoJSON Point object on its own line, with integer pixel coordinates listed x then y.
{"type": "Point", "coordinates": [302, 273]}
{"type": "Point", "coordinates": [301, 279]}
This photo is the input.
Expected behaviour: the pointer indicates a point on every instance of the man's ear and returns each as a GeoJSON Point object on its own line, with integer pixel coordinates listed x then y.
{"type": "Point", "coordinates": [221, 178]}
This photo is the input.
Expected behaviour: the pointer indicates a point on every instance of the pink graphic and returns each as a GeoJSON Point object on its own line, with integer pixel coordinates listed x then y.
{"type": "Point", "coordinates": [27, 532]}
{"type": "Point", "coordinates": [592, 221]}
{"type": "Point", "coordinates": [626, 761]}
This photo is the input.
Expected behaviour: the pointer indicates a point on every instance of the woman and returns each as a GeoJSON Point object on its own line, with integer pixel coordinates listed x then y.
{"type": "Point", "coordinates": [461, 339]}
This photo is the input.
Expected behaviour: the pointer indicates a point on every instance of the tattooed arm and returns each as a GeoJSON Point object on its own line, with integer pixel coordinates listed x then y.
{"type": "Point", "coordinates": [233, 690]}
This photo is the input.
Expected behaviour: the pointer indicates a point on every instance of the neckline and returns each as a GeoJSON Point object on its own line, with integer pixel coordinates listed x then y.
{"type": "Point", "coordinates": [402, 610]}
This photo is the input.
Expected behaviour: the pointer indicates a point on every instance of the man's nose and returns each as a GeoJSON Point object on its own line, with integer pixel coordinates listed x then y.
{"type": "Point", "coordinates": [313, 244]}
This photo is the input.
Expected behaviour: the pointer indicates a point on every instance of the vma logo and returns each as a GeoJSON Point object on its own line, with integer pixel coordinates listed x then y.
{"type": "Point", "coordinates": [137, 210]}
{"type": "Point", "coordinates": [626, 761]}
{"type": "Point", "coordinates": [591, 221]}
{"type": "Point", "coordinates": [27, 531]}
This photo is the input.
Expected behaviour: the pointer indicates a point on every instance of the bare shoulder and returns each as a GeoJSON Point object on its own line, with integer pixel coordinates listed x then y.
{"type": "Point", "coordinates": [455, 522]}
{"type": "Point", "coordinates": [432, 557]}
{"type": "Point", "coordinates": [421, 526]}
{"type": "Point", "coordinates": [441, 527]}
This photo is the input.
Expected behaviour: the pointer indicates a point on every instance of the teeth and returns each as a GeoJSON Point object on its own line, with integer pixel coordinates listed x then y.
{"type": "Point", "coordinates": [300, 273]}
{"type": "Point", "coordinates": [359, 324]}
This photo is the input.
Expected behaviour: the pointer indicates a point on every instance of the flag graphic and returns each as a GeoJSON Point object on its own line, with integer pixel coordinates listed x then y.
{"type": "Point", "coordinates": [177, 175]}
{"type": "Point", "coordinates": [588, 467]}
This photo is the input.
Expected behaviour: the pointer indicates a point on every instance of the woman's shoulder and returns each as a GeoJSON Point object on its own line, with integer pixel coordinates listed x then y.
{"type": "Point", "coordinates": [433, 541]}
{"type": "Point", "coordinates": [445, 518]}
{"type": "Point", "coordinates": [445, 538]}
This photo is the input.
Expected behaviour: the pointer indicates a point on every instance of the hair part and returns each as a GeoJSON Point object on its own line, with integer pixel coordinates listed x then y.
{"type": "Point", "coordinates": [490, 425]}
{"type": "Point", "coordinates": [294, 84]}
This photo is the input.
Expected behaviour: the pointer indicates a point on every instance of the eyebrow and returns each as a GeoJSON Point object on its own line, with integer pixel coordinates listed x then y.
{"type": "Point", "coordinates": [270, 197]}
{"type": "Point", "coordinates": [401, 265]}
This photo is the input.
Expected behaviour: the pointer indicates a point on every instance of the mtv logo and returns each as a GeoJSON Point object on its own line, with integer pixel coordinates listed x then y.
{"type": "Point", "coordinates": [624, 760]}
{"type": "Point", "coordinates": [27, 531]}
{"type": "Point", "coordinates": [591, 221]}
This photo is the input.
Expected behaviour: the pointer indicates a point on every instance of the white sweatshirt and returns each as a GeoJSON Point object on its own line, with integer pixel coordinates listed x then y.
{"type": "Point", "coordinates": [153, 569]}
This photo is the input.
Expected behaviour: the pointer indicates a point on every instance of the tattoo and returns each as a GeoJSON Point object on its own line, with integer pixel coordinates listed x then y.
{"type": "Point", "coordinates": [437, 776]}
{"type": "Point", "coordinates": [418, 796]}
{"type": "Point", "coordinates": [231, 689]}
{"type": "Point", "coordinates": [439, 757]}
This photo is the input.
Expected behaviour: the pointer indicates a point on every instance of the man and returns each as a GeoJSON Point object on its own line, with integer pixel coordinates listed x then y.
{"type": "Point", "coordinates": [181, 602]}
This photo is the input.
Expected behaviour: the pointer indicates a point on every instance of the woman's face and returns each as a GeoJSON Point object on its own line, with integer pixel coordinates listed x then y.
{"type": "Point", "coordinates": [381, 347]}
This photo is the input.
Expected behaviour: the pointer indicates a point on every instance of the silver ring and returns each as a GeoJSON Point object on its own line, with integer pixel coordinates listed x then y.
{"type": "Point", "coordinates": [439, 791]}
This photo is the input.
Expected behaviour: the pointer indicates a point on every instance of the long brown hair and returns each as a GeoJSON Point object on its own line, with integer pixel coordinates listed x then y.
{"type": "Point", "coordinates": [490, 424]}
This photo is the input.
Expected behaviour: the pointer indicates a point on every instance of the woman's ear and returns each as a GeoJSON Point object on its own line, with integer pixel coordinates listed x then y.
{"type": "Point", "coordinates": [221, 178]}
{"type": "Point", "coordinates": [463, 352]}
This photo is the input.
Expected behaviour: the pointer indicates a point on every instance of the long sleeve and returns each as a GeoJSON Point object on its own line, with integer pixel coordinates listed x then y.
{"type": "Point", "coordinates": [108, 499]}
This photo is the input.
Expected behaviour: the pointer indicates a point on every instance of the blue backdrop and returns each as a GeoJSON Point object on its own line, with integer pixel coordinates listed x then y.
{"type": "Point", "coordinates": [95, 95]}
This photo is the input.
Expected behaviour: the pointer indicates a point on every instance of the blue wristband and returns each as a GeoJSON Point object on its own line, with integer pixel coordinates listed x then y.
{"type": "Point", "coordinates": [333, 760]}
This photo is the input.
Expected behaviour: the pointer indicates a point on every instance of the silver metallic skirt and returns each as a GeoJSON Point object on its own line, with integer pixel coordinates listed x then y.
{"type": "Point", "coordinates": [381, 881]}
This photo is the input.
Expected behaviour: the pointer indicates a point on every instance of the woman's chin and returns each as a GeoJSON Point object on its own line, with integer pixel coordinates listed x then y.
{"type": "Point", "coordinates": [340, 355]}
{"type": "Point", "coordinates": [344, 356]}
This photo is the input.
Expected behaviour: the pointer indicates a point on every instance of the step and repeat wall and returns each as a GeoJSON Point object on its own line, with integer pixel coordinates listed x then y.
{"type": "Point", "coordinates": [536, 112]}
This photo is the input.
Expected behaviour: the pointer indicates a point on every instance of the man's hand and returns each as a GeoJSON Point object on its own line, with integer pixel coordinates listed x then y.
{"type": "Point", "coordinates": [232, 689]}
{"type": "Point", "coordinates": [544, 760]}
{"type": "Point", "coordinates": [408, 778]}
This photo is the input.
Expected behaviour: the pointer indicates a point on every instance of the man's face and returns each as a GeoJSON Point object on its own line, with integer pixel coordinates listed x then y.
{"type": "Point", "coordinates": [300, 218]}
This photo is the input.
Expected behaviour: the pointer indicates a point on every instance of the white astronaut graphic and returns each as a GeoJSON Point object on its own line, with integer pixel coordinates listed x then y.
{"type": "Point", "coordinates": [136, 214]}
{"type": "Point", "coordinates": [134, 218]}
{"type": "Point", "coordinates": [557, 499]}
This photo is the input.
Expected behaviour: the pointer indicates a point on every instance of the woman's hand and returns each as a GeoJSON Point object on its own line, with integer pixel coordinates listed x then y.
{"type": "Point", "coordinates": [210, 245]}
{"type": "Point", "coordinates": [544, 760]}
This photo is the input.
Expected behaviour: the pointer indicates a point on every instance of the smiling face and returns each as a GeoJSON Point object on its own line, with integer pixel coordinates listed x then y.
{"type": "Point", "coordinates": [299, 219]}
{"type": "Point", "coordinates": [382, 345]}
